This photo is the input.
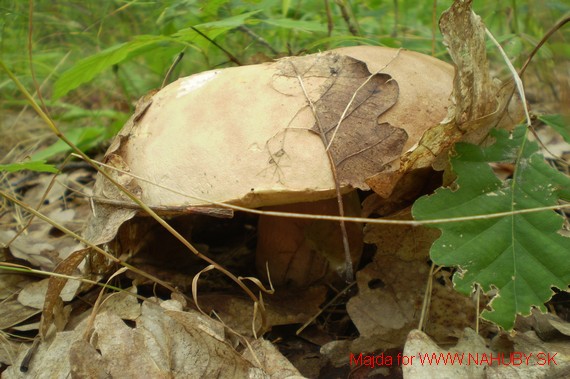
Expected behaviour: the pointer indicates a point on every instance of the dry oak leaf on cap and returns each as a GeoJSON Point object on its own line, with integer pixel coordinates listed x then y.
{"type": "Point", "coordinates": [345, 103]}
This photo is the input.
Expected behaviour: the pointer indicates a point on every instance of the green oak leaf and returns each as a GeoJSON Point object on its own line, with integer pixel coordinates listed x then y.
{"type": "Point", "coordinates": [522, 256]}
{"type": "Point", "coordinates": [557, 122]}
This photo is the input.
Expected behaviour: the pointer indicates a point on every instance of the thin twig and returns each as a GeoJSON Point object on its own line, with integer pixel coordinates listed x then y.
{"type": "Point", "coordinates": [427, 298]}
{"type": "Point", "coordinates": [228, 54]}
{"type": "Point", "coordinates": [347, 16]}
{"type": "Point", "coordinates": [478, 304]}
{"type": "Point", "coordinates": [259, 39]}
{"type": "Point", "coordinates": [171, 68]}
{"type": "Point", "coordinates": [25, 365]}
{"type": "Point", "coordinates": [330, 23]}
{"type": "Point", "coordinates": [349, 270]}
{"type": "Point", "coordinates": [98, 302]}
{"type": "Point", "coordinates": [384, 221]}
{"type": "Point", "coordinates": [28, 270]}
{"type": "Point", "coordinates": [552, 30]}
{"type": "Point", "coordinates": [515, 75]}
{"type": "Point", "coordinates": [333, 300]}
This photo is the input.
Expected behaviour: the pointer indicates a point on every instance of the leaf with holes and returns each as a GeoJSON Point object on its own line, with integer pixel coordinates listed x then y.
{"type": "Point", "coordinates": [521, 255]}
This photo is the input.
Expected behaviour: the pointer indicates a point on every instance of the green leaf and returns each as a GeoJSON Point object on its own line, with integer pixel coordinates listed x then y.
{"type": "Point", "coordinates": [86, 69]}
{"type": "Point", "coordinates": [229, 22]}
{"type": "Point", "coordinates": [83, 138]}
{"type": "Point", "coordinates": [521, 255]}
{"type": "Point", "coordinates": [215, 28]}
{"type": "Point", "coordinates": [285, 5]}
{"type": "Point", "coordinates": [347, 39]}
{"type": "Point", "coordinates": [306, 26]}
{"type": "Point", "coordinates": [39, 166]}
{"type": "Point", "coordinates": [557, 122]}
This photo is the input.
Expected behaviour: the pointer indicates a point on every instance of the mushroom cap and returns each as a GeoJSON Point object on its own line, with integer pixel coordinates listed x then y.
{"type": "Point", "coordinates": [241, 135]}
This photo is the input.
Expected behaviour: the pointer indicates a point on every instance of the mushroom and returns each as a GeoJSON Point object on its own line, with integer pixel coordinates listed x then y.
{"type": "Point", "coordinates": [242, 136]}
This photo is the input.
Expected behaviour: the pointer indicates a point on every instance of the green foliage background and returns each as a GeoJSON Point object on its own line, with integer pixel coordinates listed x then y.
{"type": "Point", "coordinates": [94, 59]}
{"type": "Point", "coordinates": [65, 32]}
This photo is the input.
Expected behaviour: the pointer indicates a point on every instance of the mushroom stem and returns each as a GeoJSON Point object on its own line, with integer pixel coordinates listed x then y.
{"type": "Point", "coordinates": [300, 252]}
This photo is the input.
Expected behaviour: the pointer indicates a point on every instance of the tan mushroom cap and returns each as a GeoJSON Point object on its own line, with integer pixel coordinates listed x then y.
{"type": "Point", "coordinates": [232, 135]}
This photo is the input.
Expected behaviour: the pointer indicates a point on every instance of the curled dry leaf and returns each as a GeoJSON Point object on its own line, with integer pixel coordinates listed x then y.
{"type": "Point", "coordinates": [478, 103]}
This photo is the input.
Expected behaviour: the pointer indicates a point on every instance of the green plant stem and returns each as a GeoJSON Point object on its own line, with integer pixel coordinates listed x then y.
{"type": "Point", "coordinates": [27, 270]}
{"type": "Point", "coordinates": [515, 16]}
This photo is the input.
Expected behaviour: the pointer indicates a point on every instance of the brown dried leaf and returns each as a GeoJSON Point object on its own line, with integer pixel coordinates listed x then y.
{"type": "Point", "coordinates": [56, 285]}
{"type": "Point", "coordinates": [38, 246]}
{"type": "Point", "coordinates": [391, 291]}
{"type": "Point", "coordinates": [493, 364]}
{"type": "Point", "coordinates": [85, 361]}
{"type": "Point", "coordinates": [275, 365]}
{"type": "Point", "coordinates": [162, 344]}
{"type": "Point", "coordinates": [13, 312]}
{"type": "Point", "coordinates": [281, 308]}
{"type": "Point", "coordinates": [34, 240]}
{"type": "Point", "coordinates": [388, 304]}
{"type": "Point", "coordinates": [464, 34]}
{"type": "Point", "coordinates": [348, 100]}
{"type": "Point", "coordinates": [9, 350]}
{"type": "Point", "coordinates": [419, 343]}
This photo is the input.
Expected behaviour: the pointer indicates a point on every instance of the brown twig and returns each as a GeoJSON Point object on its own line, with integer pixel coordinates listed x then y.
{"type": "Point", "coordinates": [259, 39]}
{"type": "Point", "coordinates": [228, 54]}
{"type": "Point", "coordinates": [347, 16]}
{"type": "Point", "coordinates": [171, 69]}
{"type": "Point", "coordinates": [548, 34]}
{"type": "Point", "coordinates": [170, 210]}
{"type": "Point", "coordinates": [433, 26]}
{"type": "Point", "coordinates": [330, 23]}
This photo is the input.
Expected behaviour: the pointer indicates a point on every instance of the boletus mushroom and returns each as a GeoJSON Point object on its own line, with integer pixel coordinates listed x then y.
{"type": "Point", "coordinates": [284, 135]}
